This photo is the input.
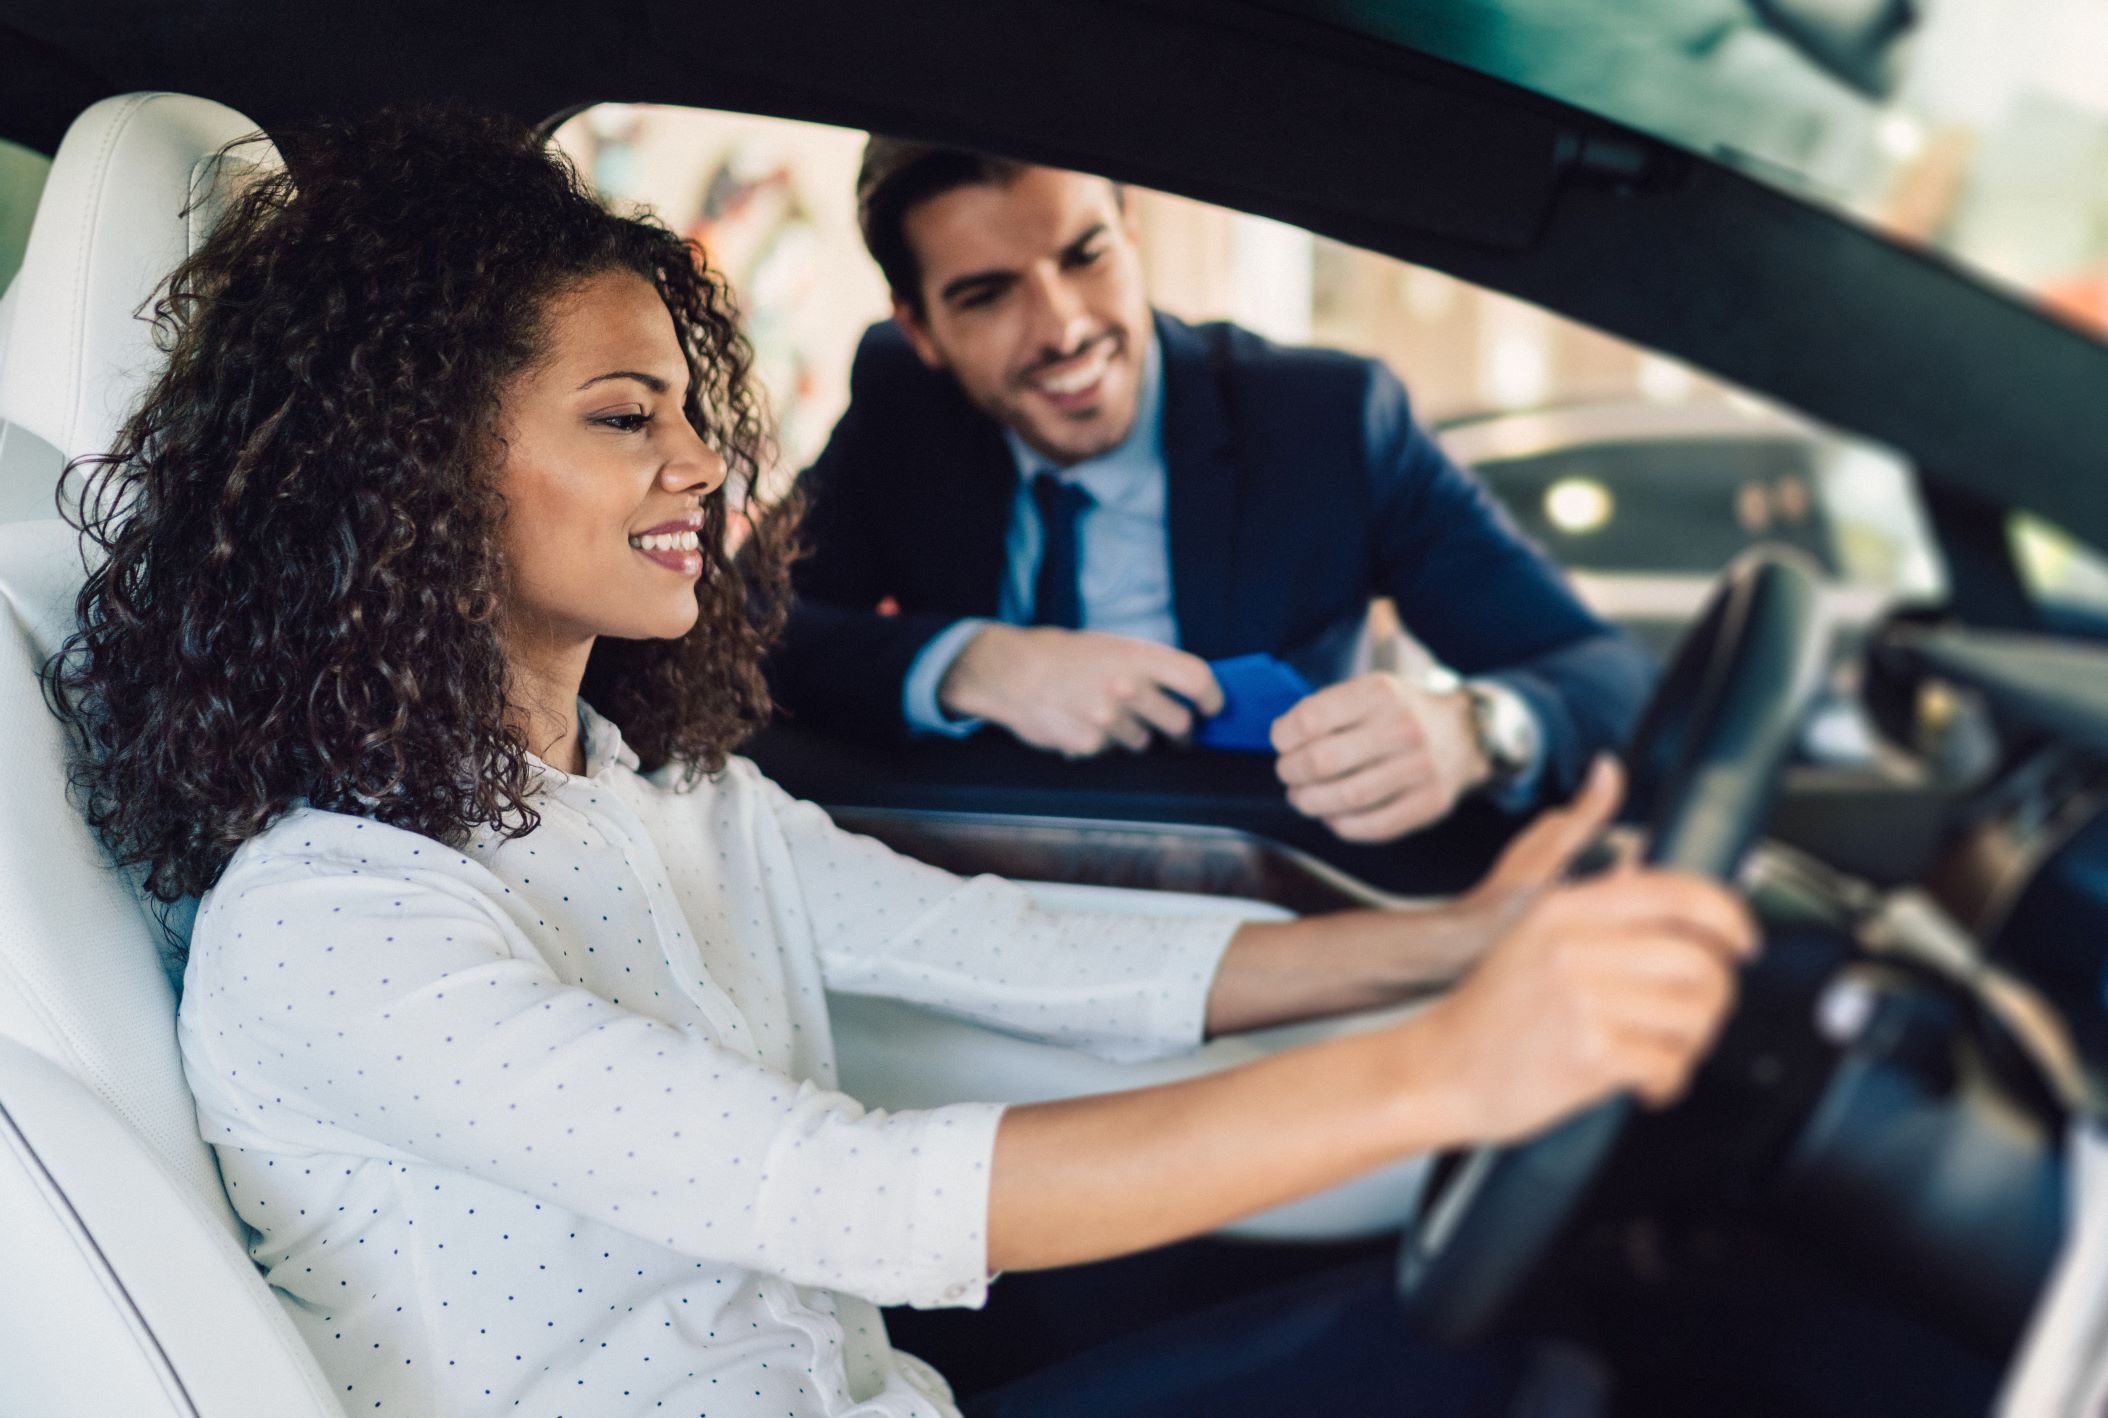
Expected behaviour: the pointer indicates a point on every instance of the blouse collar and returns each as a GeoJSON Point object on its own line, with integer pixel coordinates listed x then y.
{"type": "Point", "coordinates": [601, 743]}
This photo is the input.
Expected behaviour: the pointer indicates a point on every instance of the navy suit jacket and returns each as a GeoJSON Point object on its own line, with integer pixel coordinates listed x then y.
{"type": "Point", "coordinates": [1300, 487]}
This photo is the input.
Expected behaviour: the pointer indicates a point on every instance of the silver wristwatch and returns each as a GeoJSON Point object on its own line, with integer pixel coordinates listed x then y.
{"type": "Point", "coordinates": [1505, 728]}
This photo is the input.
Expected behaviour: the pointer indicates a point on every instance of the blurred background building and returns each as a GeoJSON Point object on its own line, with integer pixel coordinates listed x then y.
{"type": "Point", "coordinates": [1976, 129]}
{"type": "Point", "coordinates": [772, 203]}
{"type": "Point", "coordinates": [2001, 165]}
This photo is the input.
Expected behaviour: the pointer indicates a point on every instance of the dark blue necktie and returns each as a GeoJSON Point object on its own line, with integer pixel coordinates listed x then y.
{"type": "Point", "coordinates": [1058, 600]}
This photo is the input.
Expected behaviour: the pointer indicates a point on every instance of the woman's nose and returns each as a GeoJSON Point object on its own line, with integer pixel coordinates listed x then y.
{"type": "Point", "coordinates": [698, 468]}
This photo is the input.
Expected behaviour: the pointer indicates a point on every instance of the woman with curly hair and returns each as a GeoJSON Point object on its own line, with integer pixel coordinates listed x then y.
{"type": "Point", "coordinates": [505, 1016]}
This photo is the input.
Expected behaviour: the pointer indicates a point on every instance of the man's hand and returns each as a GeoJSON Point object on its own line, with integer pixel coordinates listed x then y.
{"type": "Point", "coordinates": [1078, 692]}
{"type": "Point", "coordinates": [1618, 983]}
{"type": "Point", "coordinates": [1378, 756]}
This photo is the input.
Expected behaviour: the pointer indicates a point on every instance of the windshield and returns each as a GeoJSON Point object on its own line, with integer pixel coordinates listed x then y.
{"type": "Point", "coordinates": [1976, 128]}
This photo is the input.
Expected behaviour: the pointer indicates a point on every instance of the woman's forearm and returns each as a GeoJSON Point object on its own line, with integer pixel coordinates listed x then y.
{"type": "Point", "coordinates": [1088, 1178]}
{"type": "Point", "coordinates": [1618, 983]}
{"type": "Point", "coordinates": [1277, 972]}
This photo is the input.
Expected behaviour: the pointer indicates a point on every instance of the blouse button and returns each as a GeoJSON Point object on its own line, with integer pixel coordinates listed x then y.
{"type": "Point", "coordinates": [955, 1292]}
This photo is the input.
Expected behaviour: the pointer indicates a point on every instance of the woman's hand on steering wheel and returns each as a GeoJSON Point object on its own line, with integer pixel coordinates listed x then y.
{"type": "Point", "coordinates": [1709, 754]}
{"type": "Point", "coordinates": [1541, 855]}
{"type": "Point", "coordinates": [1620, 982]}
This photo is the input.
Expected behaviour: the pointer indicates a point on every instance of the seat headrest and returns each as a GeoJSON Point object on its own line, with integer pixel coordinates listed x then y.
{"type": "Point", "coordinates": [135, 186]}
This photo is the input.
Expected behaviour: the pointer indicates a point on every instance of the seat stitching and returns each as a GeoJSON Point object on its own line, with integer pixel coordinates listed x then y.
{"type": "Point", "coordinates": [84, 1240]}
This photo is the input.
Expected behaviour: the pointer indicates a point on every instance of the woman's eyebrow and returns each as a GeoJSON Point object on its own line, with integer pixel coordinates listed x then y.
{"type": "Point", "coordinates": [649, 381]}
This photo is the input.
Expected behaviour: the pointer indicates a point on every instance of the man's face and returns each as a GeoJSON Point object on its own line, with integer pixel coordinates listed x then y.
{"type": "Point", "coordinates": [1032, 299]}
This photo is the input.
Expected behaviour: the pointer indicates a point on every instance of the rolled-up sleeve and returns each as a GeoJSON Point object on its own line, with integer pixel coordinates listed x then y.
{"type": "Point", "coordinates": [404, 1016]}
{"type": "Point", "coordinates": [1122, 987]}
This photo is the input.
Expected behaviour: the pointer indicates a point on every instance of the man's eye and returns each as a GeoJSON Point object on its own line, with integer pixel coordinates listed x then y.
{"type": "Point", "coordinates": [624, 423]}
{"type": "Point", "coordinates": [1086, 258]}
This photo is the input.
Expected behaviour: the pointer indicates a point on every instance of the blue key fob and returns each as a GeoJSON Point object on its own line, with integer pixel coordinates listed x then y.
{"type": "Point", "coordinates": [1256, 690]}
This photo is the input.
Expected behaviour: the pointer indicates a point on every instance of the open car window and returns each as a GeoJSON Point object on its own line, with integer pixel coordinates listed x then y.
{"type": "Point", "coordinates": [1621, 463]}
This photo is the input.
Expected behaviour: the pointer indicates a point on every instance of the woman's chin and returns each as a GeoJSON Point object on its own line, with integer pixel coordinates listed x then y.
{"type": "Point", "coordinates": [681, 622]}
{"type": "Point", "coordinates": [672, 625]}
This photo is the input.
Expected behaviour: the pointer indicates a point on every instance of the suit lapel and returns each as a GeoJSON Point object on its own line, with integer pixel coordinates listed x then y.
{"type": "Point", "coordinates": [967, 522]}
{"type": "Point", "coordinates": [1203, 489]}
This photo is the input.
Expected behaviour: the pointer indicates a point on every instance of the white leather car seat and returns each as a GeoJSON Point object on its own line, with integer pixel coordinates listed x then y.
{"type": "Point", "coordinates": [125, 1287]}
{"type": "Point", "coordinates": [29, 467]}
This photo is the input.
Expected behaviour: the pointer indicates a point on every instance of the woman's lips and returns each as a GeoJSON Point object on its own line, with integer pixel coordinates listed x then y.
{"type": "Point", "coordinates": [688, 563]}
{"type": "Point", "coordinates": [675, 545]}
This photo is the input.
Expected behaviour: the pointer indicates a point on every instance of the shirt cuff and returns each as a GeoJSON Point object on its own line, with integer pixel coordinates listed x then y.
{"type": "Point", "coordinates": [948, 1230]}
{"type": "Point", "coordinates": [1192, 954]}
{"type": "Point", "coordinates": [918, 694]}
{"type": "Point", "coordinates": [1519, 793]}
{"type": "Point", "coordinates": [892, 1207]}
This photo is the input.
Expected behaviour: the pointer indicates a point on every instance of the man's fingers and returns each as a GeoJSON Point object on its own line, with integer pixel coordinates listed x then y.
{"type": "Point", "coordinates": [1402, 814]}
{"type": "Point", "coordinates": [1127, 731]}
{"type": "Point", "coordinates": [1327, 711]}
{"type": "Point", "coordinates": [1367, 788]}
{"type": "Point", "coordinates": [1077, 739]}
{"type": "Point", "coordinates": [1352, 749]}
{"type": "Point", "coordinates": [1187, 676]}
{"type": "Point", "coordinates": [1163, 713]}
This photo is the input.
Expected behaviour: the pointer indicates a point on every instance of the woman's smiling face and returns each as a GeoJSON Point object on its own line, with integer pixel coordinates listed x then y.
{"type": "Point", "coordinates": [603, 476]}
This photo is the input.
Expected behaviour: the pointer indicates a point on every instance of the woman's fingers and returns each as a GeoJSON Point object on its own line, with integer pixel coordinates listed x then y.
{"type": "Point", "coordinates": [1639, 900]}
{"type": "Point", "coordinates": [1544, 849]}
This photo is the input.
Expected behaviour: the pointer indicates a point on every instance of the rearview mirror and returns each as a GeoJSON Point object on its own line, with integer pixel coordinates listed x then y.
{"type": "Point", "coordinates": [1855, 40]}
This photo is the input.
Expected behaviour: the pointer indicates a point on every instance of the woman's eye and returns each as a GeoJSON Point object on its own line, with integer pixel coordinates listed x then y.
{"type": "Point", "coordinates": [624, 423]}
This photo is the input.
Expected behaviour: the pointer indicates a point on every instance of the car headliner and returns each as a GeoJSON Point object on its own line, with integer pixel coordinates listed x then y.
{"type": "Point", "coordinates": [1273, 106]}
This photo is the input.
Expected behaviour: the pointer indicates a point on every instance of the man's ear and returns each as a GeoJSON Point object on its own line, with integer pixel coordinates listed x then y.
{"type": "Point", "coordinates": [917, 330]}
{"type": "Point", "coordinates": [1130, 224]}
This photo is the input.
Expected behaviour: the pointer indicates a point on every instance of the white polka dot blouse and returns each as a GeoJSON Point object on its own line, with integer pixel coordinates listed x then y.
{"type": "Point", "coordinates": [549, 1126]}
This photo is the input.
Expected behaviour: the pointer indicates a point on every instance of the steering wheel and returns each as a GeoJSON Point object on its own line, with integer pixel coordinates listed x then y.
{"type": "Point", "coordinates": [1705, 764]}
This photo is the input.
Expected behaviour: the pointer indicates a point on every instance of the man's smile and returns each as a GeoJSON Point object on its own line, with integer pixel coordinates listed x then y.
{"type": "Point", "coordinates": [1075, 384]}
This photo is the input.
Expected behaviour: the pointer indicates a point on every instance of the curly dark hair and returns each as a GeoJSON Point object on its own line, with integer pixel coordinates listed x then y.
{"type": "Point", "coordinates": [301, 582]}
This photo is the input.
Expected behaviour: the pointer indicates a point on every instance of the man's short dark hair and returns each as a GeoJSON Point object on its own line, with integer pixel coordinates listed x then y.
{"type": "Point", "coordinates": [897, 176]}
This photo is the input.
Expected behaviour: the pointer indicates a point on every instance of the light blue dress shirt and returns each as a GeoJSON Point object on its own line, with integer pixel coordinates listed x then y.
{"type": "Point", "coordinates": [1123, 551]}
{"type": "Point", "coordinates": [1124, 573]}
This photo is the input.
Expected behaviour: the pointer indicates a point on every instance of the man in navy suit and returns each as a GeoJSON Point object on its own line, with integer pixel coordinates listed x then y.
{"type": "Point", "coordinates": [1049, 508]}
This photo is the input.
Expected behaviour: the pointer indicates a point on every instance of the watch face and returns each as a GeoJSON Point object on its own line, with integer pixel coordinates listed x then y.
{"type": "Point", "coordinates": [1506, 733]}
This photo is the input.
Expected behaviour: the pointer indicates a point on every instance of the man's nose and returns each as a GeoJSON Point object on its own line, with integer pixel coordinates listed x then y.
{"type": "Point", "coordinates": [1061, 322]}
